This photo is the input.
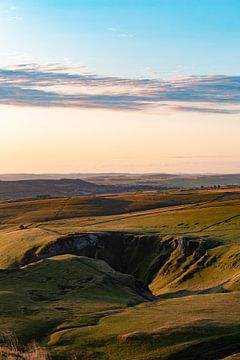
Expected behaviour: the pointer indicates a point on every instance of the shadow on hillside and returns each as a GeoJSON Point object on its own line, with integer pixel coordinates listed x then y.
{"type": "Point", "coordinates": [206, 341]}
{"type": "Point", "coordinates": [183, 293]}
{"type": "Point", "coordinates": [201, 339]}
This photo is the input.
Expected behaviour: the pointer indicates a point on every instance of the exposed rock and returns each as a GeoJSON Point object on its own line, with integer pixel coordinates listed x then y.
{"type": "Point", "coordinates": [86, 244]}
{"type": "Point", "coordinates": [182, 245]}
{"type": "Point", "coordinates": [191, 246]}
{"type": "Point", "coordinates": [200, 251]}
{"type": "Point", "coordinates": [146, 257]}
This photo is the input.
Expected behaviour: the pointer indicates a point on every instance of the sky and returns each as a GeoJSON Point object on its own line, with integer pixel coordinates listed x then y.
{"type": "Point", "coordinates": [114, 86]}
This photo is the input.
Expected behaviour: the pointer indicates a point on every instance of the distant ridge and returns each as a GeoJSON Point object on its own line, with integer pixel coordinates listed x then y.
{"type": "Point", "coordinates": [20, 189]}
{"type": "Point", "coordinates": [54, 176]}
{"type": "Point", "coordinates": [21, 186]}
{"type": "Point", "coordinates": [84, 176]}
{"type": "Point", "coordinates": [27, 189]}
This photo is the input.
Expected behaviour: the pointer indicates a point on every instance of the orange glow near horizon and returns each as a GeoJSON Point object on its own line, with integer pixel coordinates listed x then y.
{"type": "Point", "coordinates": [58, 140]}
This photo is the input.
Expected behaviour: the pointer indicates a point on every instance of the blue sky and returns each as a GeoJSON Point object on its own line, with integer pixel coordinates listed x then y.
{"type": "Point", "coordinates": [161, 38]}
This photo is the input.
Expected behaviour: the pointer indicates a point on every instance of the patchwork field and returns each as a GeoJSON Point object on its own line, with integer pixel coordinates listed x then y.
{"type": "Point", "coordinates": [150, 275]}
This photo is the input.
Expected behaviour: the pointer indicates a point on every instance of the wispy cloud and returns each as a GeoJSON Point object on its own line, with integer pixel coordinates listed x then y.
{"type": "Point", "coordinates": [207, 109]}
{"type": "Point", "coordinates": [13, 8]}
{"type": "Point", "coordinates": [112, 29]}
{"type": "Point", "coordinates": [198, 157]}
{"type": "Point", "coordinates": [16, 18]}
{"type": "Point", "coordinates": [10, 12]}
{"type": "Point", "coordinates": [120, 34]}
{"type": "Point", "coordinates": [125, 35]}
{"type": "Point", "coordinates": [56, 85]}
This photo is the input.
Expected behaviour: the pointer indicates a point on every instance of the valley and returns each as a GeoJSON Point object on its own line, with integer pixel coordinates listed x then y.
{"type": "Point", "coordinates": [146, 275]}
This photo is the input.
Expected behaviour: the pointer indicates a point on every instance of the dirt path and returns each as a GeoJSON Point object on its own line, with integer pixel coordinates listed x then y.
{"type": "Point", "coordinates": [62, 206]}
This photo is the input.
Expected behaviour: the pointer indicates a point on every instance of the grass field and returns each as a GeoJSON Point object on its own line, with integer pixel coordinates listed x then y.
{"type": "Point", "coordinates": [183, 244]}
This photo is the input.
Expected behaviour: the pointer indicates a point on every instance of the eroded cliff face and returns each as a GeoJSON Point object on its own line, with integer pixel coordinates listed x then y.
{"type": "Point", "coordinates": [189, 246]}
{"type": "Point", "coordinates": [77, 243]}
{"type": "Point", "coordinates": [149, 258]}
{"type": "Point", "coordinates": [127, 253]}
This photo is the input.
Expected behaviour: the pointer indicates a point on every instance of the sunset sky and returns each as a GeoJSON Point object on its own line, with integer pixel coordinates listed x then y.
{"type": "Point", "coordinates": [114, 86]}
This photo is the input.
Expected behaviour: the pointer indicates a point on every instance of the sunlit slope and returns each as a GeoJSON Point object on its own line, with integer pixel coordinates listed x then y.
{"type": "Point", "coordinates": [183, 245]}
{"type": "Point", "coordinates": [214, 222]}
{"type": "Point", "coordinates": [213, 271]}
{"type": "Point", "coordinates": [27, 212]}
{"type": "Point", "coordinates": [39, 298]}
{"type": "Point", "coordinates": [196, 327]}
{"type": "Point", "coordinates": [76, 304]}
{"type": "Point", "coordinates": [14, 244]}
{"type": "Point", "coordinates": [218, 219]}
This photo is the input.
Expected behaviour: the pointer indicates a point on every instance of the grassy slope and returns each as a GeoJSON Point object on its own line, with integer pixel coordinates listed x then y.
{"type": "Point", "coordinates": [61, 292]}
{"type": "Point", "coordinates": [207, 215]}
{"type": "Point", "coordinates": [34, 211]}
{"type": "Point", "coordinates": [215, 218]}
{"type": "Point", "coordinates": [196, 327]}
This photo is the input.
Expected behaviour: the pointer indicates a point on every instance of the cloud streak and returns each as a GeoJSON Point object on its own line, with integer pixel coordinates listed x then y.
{"type": "Point", "coordinates": [55, 85]}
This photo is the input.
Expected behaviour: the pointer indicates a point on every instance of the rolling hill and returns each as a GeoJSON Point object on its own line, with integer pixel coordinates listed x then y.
{"type": "Point", "coordinates": [45, 188]}
{"type": "Point", "coordinates": [147, 275]}
{"type": "Point", "coordinates": [22, 186]}
{"type": "Point", "coordinates": [126, 180]}
{"type": "Point", "coordinates": [33, 188]}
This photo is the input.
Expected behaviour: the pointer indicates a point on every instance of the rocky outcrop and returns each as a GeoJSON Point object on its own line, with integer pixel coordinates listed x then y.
{"type": "Point", "coordinates": [147, 257]}
{"type": "Point", "coordinates": [138, 255]}
{"type": "Point", "coordinates": [83, 244]}
{"type": "Point", "coordinates": [191, 246]}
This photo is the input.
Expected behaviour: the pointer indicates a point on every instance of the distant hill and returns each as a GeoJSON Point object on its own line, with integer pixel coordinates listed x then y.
{"type": "Point", "coordinates": [35, 188]}
{"type": "Point", "coordinates": [25, 189]}
{"type": "Point", "coordinates": [168, 180]}
{"type": "Point", "coordinates": [55, 176]}
{"type": "Point", "coordinates": [30, 186]}
{"type": "Point", "coordinates": [127, 179]}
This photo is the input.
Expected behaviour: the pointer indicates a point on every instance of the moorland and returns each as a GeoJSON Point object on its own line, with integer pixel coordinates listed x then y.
{"type": "Point", "coordinates": [138, 275]}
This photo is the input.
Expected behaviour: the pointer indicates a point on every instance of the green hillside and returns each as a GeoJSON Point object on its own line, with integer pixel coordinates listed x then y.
{"type": "Point", "coordinates": [77, 274]}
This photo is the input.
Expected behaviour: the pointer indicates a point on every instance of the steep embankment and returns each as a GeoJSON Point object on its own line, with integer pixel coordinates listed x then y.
{"type": "Point", "coordinates": [82, 304]}
{"type": "Point", "coordinates": [165, 264]}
